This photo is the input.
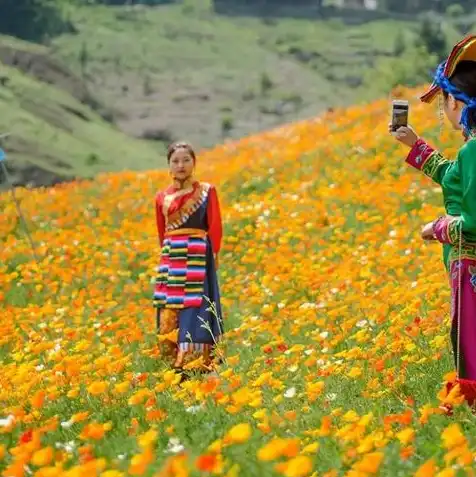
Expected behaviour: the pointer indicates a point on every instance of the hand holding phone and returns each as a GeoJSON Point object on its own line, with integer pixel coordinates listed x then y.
{"type": "Point", "coordinates": [399, 114]}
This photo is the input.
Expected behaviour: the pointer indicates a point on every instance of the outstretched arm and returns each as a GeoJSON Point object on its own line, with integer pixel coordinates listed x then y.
{"type": "Point", "coordinates": [422, 156]}
{"type": "Point", "coordinates": [428, 160]}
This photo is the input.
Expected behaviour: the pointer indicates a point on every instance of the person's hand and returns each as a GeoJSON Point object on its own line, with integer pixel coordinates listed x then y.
{"type": "Point", "coordinates": [427, 232]}
{"type": "Point", "coordinates": [404, 134]}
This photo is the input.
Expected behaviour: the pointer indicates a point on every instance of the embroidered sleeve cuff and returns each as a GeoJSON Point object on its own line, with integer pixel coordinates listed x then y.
{"type": "Point", "coordinates": [419, 154]}
{"type": "Point", "coordinates": [446, 230]}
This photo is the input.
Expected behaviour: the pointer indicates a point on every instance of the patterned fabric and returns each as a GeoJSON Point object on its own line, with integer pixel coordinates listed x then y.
{"type": "Point", "coordinates": [181, 272]}
{"type": "Point", "coordinates": [468, 252]}
{"type": "Point", "coordinates": [447, 230]}
{"type": "Point", "coordinates": [187, 295]}
{"type": "Point", "coordinates": [426, 159]}
{"type": "Point", "coordinates": [466, 310]}
{"type": "Point", "coordinates": [432, 164]}
{"type": "Point", "coordinates": [177, 216]}
{"type": "Point", "coordinates": [472, 276]}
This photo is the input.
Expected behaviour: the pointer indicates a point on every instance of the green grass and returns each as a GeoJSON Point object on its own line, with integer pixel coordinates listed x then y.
{"type": "Point", "coordinates": [202, 69]}
{"type": "Point", "coordinates": [183, 72]}
{"type": "Point", "coordinates": [59, 136]}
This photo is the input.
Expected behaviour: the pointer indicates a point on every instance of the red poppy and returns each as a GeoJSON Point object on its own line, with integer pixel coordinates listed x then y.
{"type": "Point", "coordinates": [26, 437]}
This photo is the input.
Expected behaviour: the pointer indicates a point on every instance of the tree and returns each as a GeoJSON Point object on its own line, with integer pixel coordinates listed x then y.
{"type": "Point", "coordinates": [432, 38]}
{"type": "Point", "coordinates": [412, 68]}
{"type": "Point", "coordinates": [32, 19]}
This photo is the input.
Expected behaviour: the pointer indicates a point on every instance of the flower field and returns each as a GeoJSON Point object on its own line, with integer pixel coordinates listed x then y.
{"type": "Point", "coordinates": [336, 313]}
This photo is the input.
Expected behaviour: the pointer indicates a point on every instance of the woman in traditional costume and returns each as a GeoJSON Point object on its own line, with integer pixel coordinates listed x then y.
{"type": "Point", "coordinates": [455, 80]}
{"type": "Point", "coordinates": [186, 293]}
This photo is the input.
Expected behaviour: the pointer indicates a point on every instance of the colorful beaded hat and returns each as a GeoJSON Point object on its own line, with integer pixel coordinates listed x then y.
{"type": "Point", "coordinates": [465, 50]}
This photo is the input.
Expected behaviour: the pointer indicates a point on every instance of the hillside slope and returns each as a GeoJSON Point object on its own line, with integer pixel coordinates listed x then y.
{"type": "Point", "coordinates": [55, 132]}
{"type": "Point", "coordinates": [336, 317]}
{"type": "Point", "coordinates": [184, 72]}
{"type": "Point", "coordinates": [180, 72]}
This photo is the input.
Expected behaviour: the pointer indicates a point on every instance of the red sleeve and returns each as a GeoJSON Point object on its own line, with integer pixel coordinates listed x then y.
{"type": "Point", "coordinates": [215, 230]}
{"type": "Point", "coordinates": [419, 154]}
{"type": "Point", "coordinates": [159, 215]}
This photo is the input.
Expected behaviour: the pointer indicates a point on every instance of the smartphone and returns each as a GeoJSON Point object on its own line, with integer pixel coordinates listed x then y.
{"type": "Point", "coordinates": [399, 114]}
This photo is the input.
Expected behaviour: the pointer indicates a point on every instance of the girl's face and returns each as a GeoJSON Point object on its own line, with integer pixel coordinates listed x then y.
{"type": "Point", "coordinates": [453, 109]}
{"type": "Point", "coordinates": [181, 164]}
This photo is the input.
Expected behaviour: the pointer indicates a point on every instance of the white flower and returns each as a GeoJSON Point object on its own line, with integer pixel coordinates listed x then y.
{"type": "Point", "coordinates": [293, 369]}
{"type": "Point", "coordinates": [290, 393]}
{"type": "Point", "coordinates": [193, 409]}
{"type": "Point", "coordinates": [67, 424]}
{"type": "Point", "coordinates": [331, 396]}
{"type": "Point", "coordinates": [69, 447]}
{"type": "Point", "coordinates": [8, 421]}
{"type": "Point", "coordinates": [174, 446]}
{"type": "Point", "coordinates": [361, 324]}
{"type": "Point", "coordinates": [308, 352]}
{"type": "Point", "coordinates": [40, 367]}
{"type": "Point", "coordinates": [324, 334]}
{"type": "Point", "coordinates": [121, 456]}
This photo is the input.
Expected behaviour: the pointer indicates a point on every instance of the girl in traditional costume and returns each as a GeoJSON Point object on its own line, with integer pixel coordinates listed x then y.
{"type": "Point", "coordinates": [455, 80]}
{"type": "Point", "coordinates": [186, 293]}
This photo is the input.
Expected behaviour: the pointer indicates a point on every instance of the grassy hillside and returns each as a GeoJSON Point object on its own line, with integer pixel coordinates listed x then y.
{"type": "Point", "coordinates": [182, 72]}
{"type": "Point", "coordinates": [202, 76]}
{"type": "Point", "coordinates": [336, 315]}
{"type": "Point", "coordinates": [55, 135]}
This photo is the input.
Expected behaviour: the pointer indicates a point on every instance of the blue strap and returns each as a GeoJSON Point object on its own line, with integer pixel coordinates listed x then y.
{"type": "Point", "coordinates": [3, 156]}
{"type": "Point", "coordinates": [470, 103]}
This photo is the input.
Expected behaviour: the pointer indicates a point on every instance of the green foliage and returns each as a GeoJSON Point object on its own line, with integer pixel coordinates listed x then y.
{"type": "Point", "coordinates": [33, 19]}
{"type": "Point", "coordinates": [412, 68]}
{"type": "Point", "coordinates": [400, 45]}
{"type": "Point", "coordinates": [226, 124]}
{"type": "Point", "coordinates": [454, 11]}
{"type": "Point", "coordinates": [266, 83]}
{"type": "Point", "coordinates": [432, 37]}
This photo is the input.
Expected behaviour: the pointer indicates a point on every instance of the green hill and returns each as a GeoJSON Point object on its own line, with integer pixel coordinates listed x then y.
{"type": "Point", "coordinates": [55, 135]}
{"type": "Point", "coordinates": [127, 80]}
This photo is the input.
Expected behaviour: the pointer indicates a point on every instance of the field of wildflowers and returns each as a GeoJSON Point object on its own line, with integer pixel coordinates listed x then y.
{"type": "Point", "coordinates": [337, 318]}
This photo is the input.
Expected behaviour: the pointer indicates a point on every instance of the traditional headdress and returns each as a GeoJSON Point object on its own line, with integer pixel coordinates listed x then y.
{"type": "Point", "coordinates": [465, 50]}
